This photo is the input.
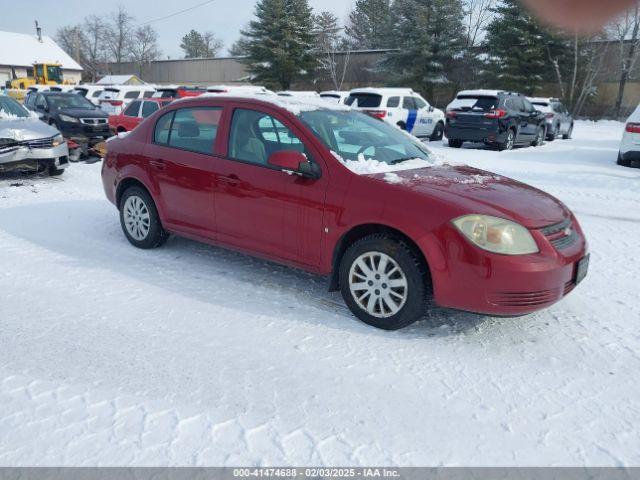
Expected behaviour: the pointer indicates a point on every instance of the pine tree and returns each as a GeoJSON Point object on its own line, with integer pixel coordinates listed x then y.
{"type": "Point", "coordinates": [193, 45]}
{"type": "Point", "coordinates": [429, 36]}
{"type": "Point", "coordinates": [280, 43]}
{"type": "Point", "coordinates": [517, 48]}
{"type": "Point", "coordinates": [369, 25]}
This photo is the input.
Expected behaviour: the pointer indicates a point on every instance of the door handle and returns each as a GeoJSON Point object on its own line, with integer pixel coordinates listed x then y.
{"type": "Point", "coordinates": [231, 180]}
{"type": "Point", "coordinates": [159, 164]}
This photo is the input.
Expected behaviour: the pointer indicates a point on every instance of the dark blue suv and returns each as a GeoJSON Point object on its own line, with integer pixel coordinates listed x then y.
{"type": "Point", "coordinates": [496, 118]}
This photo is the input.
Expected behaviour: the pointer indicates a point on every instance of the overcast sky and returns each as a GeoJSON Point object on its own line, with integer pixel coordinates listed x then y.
{"type": "Point", "coordinates": [223, 17]}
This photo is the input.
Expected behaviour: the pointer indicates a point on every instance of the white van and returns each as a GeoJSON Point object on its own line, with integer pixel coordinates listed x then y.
{"type": "Point", "coordinates": [401, 107]}
{"type": "Point", "coordinates": [90, 92]}
{"type": "Point", "coordinates": [114, 99]}
{"type": "Point", "coordinates": [335, 96]}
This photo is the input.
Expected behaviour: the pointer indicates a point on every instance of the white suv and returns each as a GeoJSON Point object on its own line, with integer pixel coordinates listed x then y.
{"type": "Point", "coordinates": [629, 155]}
{"type": "Point", "coordinates": [401, 107]}
{"type": "Point", "coordinates": [116, 98]}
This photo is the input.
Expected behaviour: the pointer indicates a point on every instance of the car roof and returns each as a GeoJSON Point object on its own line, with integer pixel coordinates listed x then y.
{"type": "Point", "coordinates": [543, 99]}
{"type": "Point", "coordinates": [295, 105]}
{"type": "Point", "coordinates": [384, 91]}
{"type": "Point", "coordinates": [484, 93]}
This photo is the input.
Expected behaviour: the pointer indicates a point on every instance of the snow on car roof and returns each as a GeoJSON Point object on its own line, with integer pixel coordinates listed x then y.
{"type": "Point", "coordinates": [382, 91]}
{"type": "Point", "coordinates": [542, 99]}
{"type": "Point", "coordinates": [481, 93]}
{"type": "Point", "coordinates": [295, 105]}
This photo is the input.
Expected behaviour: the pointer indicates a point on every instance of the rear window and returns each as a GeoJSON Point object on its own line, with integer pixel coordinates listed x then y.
{"type": "Point", "coordinates": [393, 102]}
{"type": "Point", "coordinates": [542, 106]}
{"type": "Point", "coordinates": [132, 94]}
{"type": "Point", "coordinates": [474, 103]}
{"type": "Point", "coordinates": [364, 100]}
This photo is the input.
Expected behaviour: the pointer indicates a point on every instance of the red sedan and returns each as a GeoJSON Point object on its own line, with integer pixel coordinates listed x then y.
{"type": "Point", "coordinates": [339, 193]}
{"type": "Point", "coordinates": [137, 111]}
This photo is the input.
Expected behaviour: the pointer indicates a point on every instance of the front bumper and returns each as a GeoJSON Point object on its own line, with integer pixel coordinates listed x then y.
{"type": "Point", "coordinates": [85, 134]}
{"type": "Point", "coordinates": [34, 159]}
{"type": "Point", "coordinates": [481, 282]}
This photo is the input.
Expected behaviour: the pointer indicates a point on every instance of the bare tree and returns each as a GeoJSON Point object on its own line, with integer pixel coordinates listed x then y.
{"type": "Point", "coordinates": [478, 14]}
{"type": "Point", "coordinates": [120, 35]}
{"type": "Point", "coordinates": [144, 48]}
{"type": "Point", "coordinates": [329, 41]}
{"type": "Point", "coordinates": [71, 38]}
{"type": "Point", "coordinates": [625, 30]}
{"type": "Point", "coordinates": [94, 44]}
{"type": "Point", "coordinates": [212, 44]}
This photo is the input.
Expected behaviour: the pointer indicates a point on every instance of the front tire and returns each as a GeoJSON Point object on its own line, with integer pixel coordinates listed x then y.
{"type": "Point", "coordinates": [55, 171]}
{"type": "Point", "coordinates": [568, 135]}
{"type": "Point", "coordinates": [438, 133]}
{"type": "Point", "coordinates": [540, 135]}
{"type": "Point", "coordinates": [140, 220]}
{"type": "Point", "coordinates": [384, 282]}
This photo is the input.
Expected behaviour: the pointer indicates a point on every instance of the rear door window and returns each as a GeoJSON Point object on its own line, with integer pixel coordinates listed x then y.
{"type": "Point", "coordinates": [393, 102]}
{"type": "Point", "coordinates": [364, 100]}
{"type": "Point", "coordinates": [163, 129]}
{"type": "Point", "coordinates": [148, 94]}
{"type": "Point", "coordinates": [195, 129]}
{"type": "Point", "coordinates": [132, 110]}
{"type": "Point", "coordinates": [149, 108]}
{"type": "Point", "coordinates": [132, 94]}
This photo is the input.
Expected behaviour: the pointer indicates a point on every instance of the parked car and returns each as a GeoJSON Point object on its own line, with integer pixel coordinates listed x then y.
{"type": "Point", "coordinates": [291, 180]}
{"type": "Point", "coordinates": [240, 89]}
{"type": "Point", "coordinates": [177, 92]}
{"type": "Point", "coordinates": [137, 111]}
{"type": "Point", "coordinates": [559, 120]}
{"type": "Point", "coordinates": [629, 154]}
{"type": "Point", "coordinates": [62, 88]}
{"type": "Point", "coordinates": [113, 100]}
{"type": "Point", "coordinates": [299, 94]}
{"type": "Point", "coordinates": [73, 115]}
{"type": "Point", "coordinates": [401, 107]}
{"type": "Point", "coordinates": [90, 92]}
{"type": "Point", "coordinates": [494, 117]}
{"type": "Point", "coordinates": [335, 96]}
{"type": "Point", "coordinates": [27, 144]}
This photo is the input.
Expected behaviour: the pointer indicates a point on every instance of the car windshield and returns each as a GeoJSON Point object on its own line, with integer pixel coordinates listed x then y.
{"type": "Point", "coordinates": [542, 106]}
{"type": "Point", "coordinates": [9, 108]}
{"type": "Point", "coordinates": [71, 100]}
{"type": "Point", "coordinates": [474, 103]}
{"type": "Point", "coordinates": [356, 136]}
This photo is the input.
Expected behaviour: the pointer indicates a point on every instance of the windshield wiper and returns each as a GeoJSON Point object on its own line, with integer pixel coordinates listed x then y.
{"type": "Point", "coordinates": [400, 160]}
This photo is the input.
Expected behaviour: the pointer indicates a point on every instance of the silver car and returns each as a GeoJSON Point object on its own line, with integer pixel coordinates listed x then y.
{"type": "Point", "coordinates": [27, 144]}
{"type": "Point", "coordinates": [559, 120]}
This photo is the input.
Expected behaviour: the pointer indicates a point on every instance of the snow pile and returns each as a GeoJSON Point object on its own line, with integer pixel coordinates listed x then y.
{"type": "Point", "coordinates": [368, 166]}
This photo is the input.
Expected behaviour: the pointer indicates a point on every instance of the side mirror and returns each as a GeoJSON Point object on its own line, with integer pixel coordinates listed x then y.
{"type": "Point", "coordinates": [431, 108]}
{"type": "Point", "coordinates": [292, 161]}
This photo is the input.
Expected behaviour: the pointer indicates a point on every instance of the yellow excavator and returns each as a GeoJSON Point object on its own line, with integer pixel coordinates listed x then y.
{"type": "Point", "coordinates": [43, 74]}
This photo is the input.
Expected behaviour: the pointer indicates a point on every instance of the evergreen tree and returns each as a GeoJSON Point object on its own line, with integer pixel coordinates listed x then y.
{"type": "Point", "coordinates": [429, 37]}
{"type": "Point", "coordinates": [517, 48]}
{"type": "Point", "coordinates": [280, 42]}
{"type": "Point", "coordinates": [369, 25]}
{"type": "Point", "coordinates": [200, 45]}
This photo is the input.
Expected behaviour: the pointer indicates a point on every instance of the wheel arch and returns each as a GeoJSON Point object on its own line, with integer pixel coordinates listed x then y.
{"type": "Point", "coordinates": [127, 183]}
{"type": "Point", "coordinates": [360, 231]}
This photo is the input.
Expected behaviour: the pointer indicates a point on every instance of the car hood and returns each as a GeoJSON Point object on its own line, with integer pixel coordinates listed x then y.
{"type": "Point", "coordinates": [479, 192]}
{"type": "Point", "coordinates": [25, 129]}
{"type": "Point", "coordinates": [82, 113]}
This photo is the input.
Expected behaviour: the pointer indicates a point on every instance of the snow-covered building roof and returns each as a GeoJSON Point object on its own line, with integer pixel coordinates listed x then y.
{"type": "Point", "coordinates": [22, 50]}
{"type": "Point", "coordinates": [120, 80]}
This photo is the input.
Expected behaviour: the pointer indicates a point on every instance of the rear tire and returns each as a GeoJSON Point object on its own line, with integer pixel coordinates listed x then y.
{"type": "Point", "coordinates": [551, 136]}
{"type": "Point", "coordinates": [438, 133]}
{"type": "Point", "coordinates": [540, 135]}
{"type": "Point", "coordinates": [140, 220]}
{"type": "Point", "coordinates": [622, 162]}
{"type": "Point", "coordinates": [509, 142]}
{"type": "Point", "coordinates": [455, 143]}
{"type": "Point", "coordinates": [384, 282]}
{"type": "Point", "coordinates": [567, 136]}
{"type": "Point", "coordinates": [402, 126]}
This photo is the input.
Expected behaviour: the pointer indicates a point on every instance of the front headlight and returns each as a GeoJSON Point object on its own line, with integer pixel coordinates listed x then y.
{"type": "Point", "coordinates": [497, 235]}
{"type": "Point", "coordinates": [68, 119]}
{"type": "Point", "coordinates": [57, 140]}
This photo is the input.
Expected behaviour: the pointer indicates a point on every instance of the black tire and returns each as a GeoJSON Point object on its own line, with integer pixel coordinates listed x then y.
{"type": "Point", "coordinates": [634, 164]}
{"type": "Point", "coordinates": [551, 135]}
{"type": "Point", "coordinates": [156, 235]}
{"type": "Point", "coordinates": [402, 126]}
{"type": "Point", "coordinates": [455, 143]}
{"type": "Point", "coordinates": [567, 136]}
{"type": "Point", "coordinates": [509, 142]}
{"type": "Point", "coordinates": [540, 136]}
{"type": "Point", "coordinates": [418, 293]}
{"type": "Point", "coordinates": [55, 171]}
{"type": "Point", "coordinates": [438, 132]}
{"type": "Point", "coordinates": [622, 162]}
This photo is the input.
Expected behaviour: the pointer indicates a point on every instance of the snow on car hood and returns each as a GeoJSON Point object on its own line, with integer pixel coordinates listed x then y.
{"type": "Point", "coordinates": [20, 129]}
{"type": "Point", "coordinates": [481, 192]}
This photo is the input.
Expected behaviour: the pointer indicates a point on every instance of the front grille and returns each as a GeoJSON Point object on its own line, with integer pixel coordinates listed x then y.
{"type": "Point", "coordinates": [561, 235]}
{"type": "Point", "coordinates": [94, 121]}
{"type": "Point", "coordinates": [40, 143]}
{"type": "Point", "coordinates": [524, 299]}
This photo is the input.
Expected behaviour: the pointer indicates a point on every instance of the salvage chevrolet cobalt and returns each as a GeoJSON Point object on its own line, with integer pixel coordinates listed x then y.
{"type": "Point", "coordinates": [339, 193]}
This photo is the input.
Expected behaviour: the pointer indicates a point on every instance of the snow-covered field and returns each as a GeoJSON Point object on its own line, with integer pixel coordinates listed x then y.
{"type": "Point", "coordinates": [192, 355]}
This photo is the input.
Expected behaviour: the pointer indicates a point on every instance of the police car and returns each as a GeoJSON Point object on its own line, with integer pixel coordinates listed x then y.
{"type": "Point", "coordinates": [402, 107]}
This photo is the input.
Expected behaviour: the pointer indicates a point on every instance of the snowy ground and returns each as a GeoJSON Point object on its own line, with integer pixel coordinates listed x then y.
{"type": "Point", "coordinates": [191, 355]}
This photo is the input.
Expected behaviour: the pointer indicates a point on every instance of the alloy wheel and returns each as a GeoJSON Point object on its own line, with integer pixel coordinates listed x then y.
{"type": "Point", "coordinates": [137, 219]}
{"type": "Point", "coordinates": [378, 284]}
{"type": "Point", "coordinates": [510, 140]}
